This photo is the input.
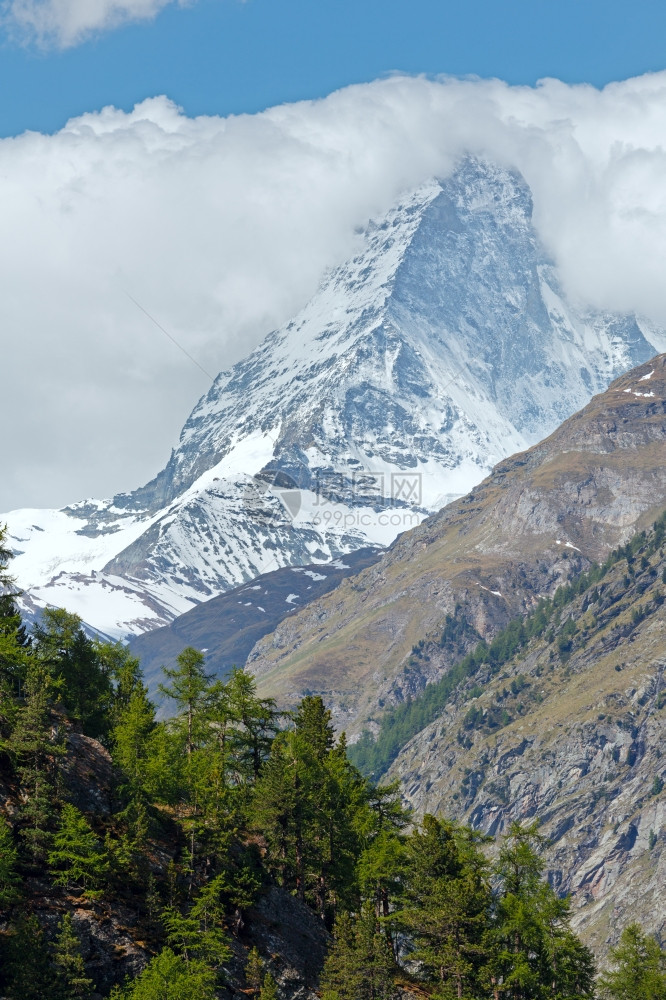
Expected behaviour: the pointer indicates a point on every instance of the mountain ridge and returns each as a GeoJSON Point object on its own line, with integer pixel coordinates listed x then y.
{"type": "Point", "coordinates": [541, 516]}
{"type": "Point", "coordinates": [445, 344]}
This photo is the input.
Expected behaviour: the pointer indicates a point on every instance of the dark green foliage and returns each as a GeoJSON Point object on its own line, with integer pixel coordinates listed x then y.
{"type": "Point", "coordinates": [34, 749]}
{"type": "Point", "coordinates": [446, 907]}
{"type": "Point", "coordinates": [33, 979]}
{"type": "Point", "coordinates": [79, 676]}
{"type": "Point", "coordinates": [13, 637]}
{"type": "Point", "coordinates": [78, 859]}
{"type": "Point", "coordinates": [9, 877]}
{"type": "Point", "coordinates": [72, 981]}
{"type": "Point", "coordinates": [639, 971]}
{"type": "Point", "coordinates": [254, 970]}
{"type": "Point", "coordinates": [305, 805]}
{"type": "Point", "coordinates": [171, 977]}
{"type": "Point", "coordinates": [188, 683]}
{"type": "Point", "coordinates": [534, 955]}
{"type": "Point", "coordinates": [360, 965]}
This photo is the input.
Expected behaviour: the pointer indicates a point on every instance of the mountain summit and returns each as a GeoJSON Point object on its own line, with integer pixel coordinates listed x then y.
{"type": "Point", "coordinates": [443, 346]}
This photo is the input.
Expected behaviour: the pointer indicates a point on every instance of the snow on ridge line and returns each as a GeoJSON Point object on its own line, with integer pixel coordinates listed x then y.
{"type": "Point", "coordinates": [380, 374]}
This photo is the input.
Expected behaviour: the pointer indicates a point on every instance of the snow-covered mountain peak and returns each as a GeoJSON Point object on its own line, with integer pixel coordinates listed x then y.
{"type": "Point", "coordinates": [444, 344]}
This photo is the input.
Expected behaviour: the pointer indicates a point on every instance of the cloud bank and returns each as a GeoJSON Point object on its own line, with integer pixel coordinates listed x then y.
{"type": "Point", "coordinates": [63, 23]}
{"type": "Point", "coordinates": [223, 228]}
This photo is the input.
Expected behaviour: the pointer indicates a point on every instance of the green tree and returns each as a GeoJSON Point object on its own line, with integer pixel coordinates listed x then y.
{"type": "Point", "coordinates": [72, 980]}
{"type": "Point", "coordinates": [33, 979]}
{"type": "Point", "coordinates": [78, 858]}
{"type": "Point", "coordinates": [80, 677]}
{"type": "Point", "coordinates": [254, 970]}
{"type": "Point", "coordinates": [187, 687]}
{"type": "Point", "coordinates": [312, 721]}
{"type": "Point", "coordinates": [640, 968]}
{"type": "Point", "coordinates": [124, 671]}
{"type": "Point", "coordinates": [534, 952]}
{"type": "Point", "coordinates": [446, 909]}
{"type": "Point", "coordinates": [268, 988]}
{"type": "Point", "coordinates": [306, 804]}
{"type": "Point", "coordinates": [381, 865]}
{"type": "Point", "coordinates": [359, 965]}
{"type": "Point", "coordinates": [13, 637]}
{"type": "Point", "coordinates": [131, 743]}
{"type": "Point", "coordinates": [34, 749]}
{"type": "Point", "coordinates": [254, 725]}
{"type": "Point", "coordinates": [9, 878]}
{"type": "Point", "coordinates": [200, 935]}
{"type": "Point", "coordinates": [169, 977]}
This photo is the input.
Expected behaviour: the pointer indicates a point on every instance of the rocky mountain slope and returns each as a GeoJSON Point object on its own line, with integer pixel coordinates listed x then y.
{"type": "Point", "coordinates": [227, 627]}
{"type": "Point", "coordinates": [541, 516]}
{"type": "Point", "coordinates": [444, 345]}
{"type": "Point", "coordinates": [570, 729]}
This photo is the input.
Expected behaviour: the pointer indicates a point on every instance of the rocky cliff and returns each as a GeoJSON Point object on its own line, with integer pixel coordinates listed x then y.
{"type": "Point", "coordinates": [570, 730]}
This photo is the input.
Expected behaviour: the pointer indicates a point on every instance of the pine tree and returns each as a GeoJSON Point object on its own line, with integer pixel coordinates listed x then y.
{"type": "Point", "coordinates": [254, 725]}
{"type": "Point", "coordinates": [381, 866]}
{"type": "Point", "coordinates": [187, 688]}
{"type": "Point", "coordinates": [640, 968]}
{"type": "Point", "coordinates": [268, 988]}
{"type": "Point", "coordinates": [72, 980]}
{"type": "Point", "coordinates": [79, 677]}
{"type": "Point", "coordinates": [34, 750]}
{"type": "Point", "coordinates": [33, 979]}
{"type": "Point", "coordinates": [312, 722]}
{"type": "Point", "coordinates": [124, 671]}
{"type": "Point", "coordinates": [78, 858]}
{"type": "Point", "coordinates": [534, 952]}
{"type": "Point", "coordinates": [200, 934]}
{"type": "Point", "coordinates": [169, 977]}
{"type": "Point", "coordinates": [307, 804]}
{"type": "Point", "coordinates": [254, 970]}
{"type": "Point", "coordinates": [280, 813]}
{"type": "Point", "coordinates": [131, 741]}
{"type": "Point", "coordinates": [360, 965]}
{"type": "Point", "coordinates": [9, 878]}
{"type": "Point", "coordinates": [13, 638]}
{"type": "Point", "coordinates": [446, 911]}
{"type": "Point", "coordinates": [574, 972]}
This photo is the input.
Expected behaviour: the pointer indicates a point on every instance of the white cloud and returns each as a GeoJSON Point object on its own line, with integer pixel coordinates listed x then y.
{"type": "Point", "coordinates": [67, 22]}
{"type": "Point", "coordinates": [222, 229]}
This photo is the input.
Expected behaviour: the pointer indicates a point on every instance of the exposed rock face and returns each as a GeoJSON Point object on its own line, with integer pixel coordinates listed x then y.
{"type": "Point", "coordinates": [107, 935]}
{"type": "Point", "coordinates": [292, 940]}
{"type": "Point", "coordinates": [444, 345]}
{"type": "Point", "coordinates": [87, 773]}
{"type": "Point", "coordinates": [537, 518]}
{"type": "Point", "coordinates": [583, 752]}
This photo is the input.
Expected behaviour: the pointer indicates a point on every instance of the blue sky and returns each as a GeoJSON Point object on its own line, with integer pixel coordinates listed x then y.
{"type": "Point", "coordinates": [226, 56]}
